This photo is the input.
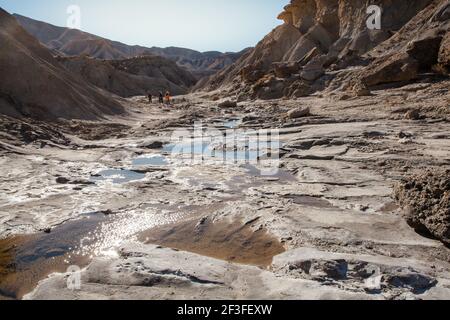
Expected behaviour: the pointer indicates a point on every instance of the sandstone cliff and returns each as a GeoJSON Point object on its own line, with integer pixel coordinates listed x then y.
{"type": "Point", "coordinates": [325, 42]}
{"type": "Point", "coordinates": [33, 84]}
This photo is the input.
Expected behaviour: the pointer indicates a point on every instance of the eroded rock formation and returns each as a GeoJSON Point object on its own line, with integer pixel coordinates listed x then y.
{"type": "Point", "coordinates": [426, 198]}
{"type": "Point", "coordinates": [325, 44]}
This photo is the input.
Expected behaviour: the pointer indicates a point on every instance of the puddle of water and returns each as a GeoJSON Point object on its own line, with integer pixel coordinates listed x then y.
{"type": "Point", "coordinates": [117, 176]}
{"type": "Point", "coordinates": [27, 259]}
{"type": "Point", "coordinates": [122, 176]}
{"type": "Point", "coordinates": [154, 160]}
{"type": "Point", "coordinates": [196, 147]}
{"type": "Point", "coordinates": [230, 242]}
{"type": "Point", "coordinates": [243, 152]}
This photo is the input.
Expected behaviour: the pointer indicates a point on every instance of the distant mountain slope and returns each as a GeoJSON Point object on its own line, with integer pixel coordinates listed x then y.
{"type": "Point", "coordinates": [74, 42]}
{"type": "Point", "coordinates": [131, 77]}
{"type": "Point", "coordinates": [33, 84]}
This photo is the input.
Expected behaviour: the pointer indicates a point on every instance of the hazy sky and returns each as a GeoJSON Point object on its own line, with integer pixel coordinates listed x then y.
{"type": "Point", "coordinates": [204, 25]}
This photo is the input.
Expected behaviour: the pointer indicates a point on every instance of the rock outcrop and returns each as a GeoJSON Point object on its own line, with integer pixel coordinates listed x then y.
{"type": "Point", "coordinates": [33, 84]}
{"type": "Point", "coordinates": [444, 54]}
{"type": "Point", "coordinates": [426, 200]}
{"type": "Point", "coordinates": [73, 42]}
{"type": "Point", "coordinates": [132, 77]}
{"type": "Point", "coordinates": [327, 45]}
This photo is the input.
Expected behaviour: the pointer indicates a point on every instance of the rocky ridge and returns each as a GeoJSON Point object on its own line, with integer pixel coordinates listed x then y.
{"type": "Point", "coordinates": [72, 42]}
{"type": "Point", "coordinates": [326, 46]}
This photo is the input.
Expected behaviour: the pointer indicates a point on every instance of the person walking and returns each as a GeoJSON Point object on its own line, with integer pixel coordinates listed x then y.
{"type": "Point", "coordinates": [150, 98]}
{"type": "Point", "coordinates": [167, 97]}
{"type": "Point", "coordinates": [161, 98]}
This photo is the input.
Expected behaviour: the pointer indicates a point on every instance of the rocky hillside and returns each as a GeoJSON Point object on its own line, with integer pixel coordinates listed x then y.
{"type": "Point", "coordinates": [326, 45]}
{"type": "Point", "coordinates": [74, 43]}
{"type": "Point", "coordinates": [199, 63]}
{"type": "Point", "coordinates": [132, 77]}
{"type": "Point", "coordinates": [33, 84]}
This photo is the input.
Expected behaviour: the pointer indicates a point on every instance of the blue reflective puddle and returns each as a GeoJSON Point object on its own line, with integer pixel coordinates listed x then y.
{"type": "Point", "coordinates": [156, 160]}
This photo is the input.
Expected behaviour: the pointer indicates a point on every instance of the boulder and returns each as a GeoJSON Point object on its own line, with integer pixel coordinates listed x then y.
{"type": "Point", "coordinates": [153, 145]}
{"type": "Point", "coordinates": [321, 36]}
{"type": "Point", "coordinates": [398, 68]}
{"type": "Point", "coordinates": [314, 52]}
{"type": "Point", "coordinates": [272, 92]}
{"type": "Point", "coordinates": [228, 104]}
{"type": "Point", "coordinates": [300, 49]}
{"type": "Point", "coordinates": [299, 89]}
{"type": "Point", "coordinates": [425, 196]}
{"type": "Point", "coordinates": [299, 113]}
{"type": "Point", "coordinates": [269, 87]}
{"type": "Point", "coordinates": [62, 180]}
{"type": "Point", "coordinates": [425, 49]}
{"type": "Point", "coordinates": [302, 91]}
{"type": "Point", "coordinates": [413, 114]}
{"type": "Point", "coordinates": [360, 90]}
{"type": "Point", "coordinates": [314, 69]}
{"type": "Point", "coordinates": [285, 70]}
{"type": "Point", "coordinates": [312, 74]}
{"type": "Point", "coordinates": [251, 73]}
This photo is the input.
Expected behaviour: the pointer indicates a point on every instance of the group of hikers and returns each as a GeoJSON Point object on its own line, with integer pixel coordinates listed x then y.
{"type": "Point", "coordinates": [163, 99]}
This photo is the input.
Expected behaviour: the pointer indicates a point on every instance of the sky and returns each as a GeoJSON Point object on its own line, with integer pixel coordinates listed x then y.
{"type": "Point", "coordinates": [203, 25]}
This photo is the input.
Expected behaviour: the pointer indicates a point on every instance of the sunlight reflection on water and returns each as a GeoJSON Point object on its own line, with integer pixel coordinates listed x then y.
{"type": "Point", "coordinates": [110, 235]}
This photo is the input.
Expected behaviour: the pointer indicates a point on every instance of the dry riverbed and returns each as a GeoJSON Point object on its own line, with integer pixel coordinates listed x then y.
{"type": "Point", "coordinates": [112, 199]}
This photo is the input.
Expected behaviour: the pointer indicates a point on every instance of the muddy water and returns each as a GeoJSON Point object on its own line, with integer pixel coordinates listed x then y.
{"type": "Point", "coordinates": [25, 260]}
{"type": "Point", "coordinates": [233, 242]}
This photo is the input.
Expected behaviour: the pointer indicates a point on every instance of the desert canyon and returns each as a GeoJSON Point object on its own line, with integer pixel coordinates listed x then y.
{"type": "Point", "coordinates": [361, 195]}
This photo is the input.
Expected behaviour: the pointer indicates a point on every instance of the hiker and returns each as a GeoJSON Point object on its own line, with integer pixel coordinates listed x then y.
{"type": "Point", "coordinates": [150, 98]}
{"type": "Point", "coordinates": [167, 98]}
{"type": "Point", "coordinates": [161, 98]}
